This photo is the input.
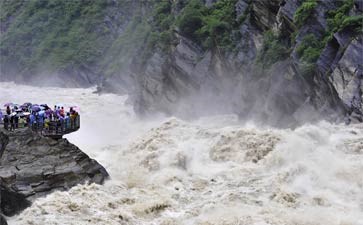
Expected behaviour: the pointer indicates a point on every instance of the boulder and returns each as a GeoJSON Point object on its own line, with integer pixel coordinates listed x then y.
{"type": "Point", "coordinates": [32, 166]}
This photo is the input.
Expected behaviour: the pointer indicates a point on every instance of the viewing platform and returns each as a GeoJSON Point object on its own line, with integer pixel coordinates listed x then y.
{"type": "Point", "coordinates": [53, 129]}
{"type": "Point", "coordinates": [40, 118]}
{"type": "Point", "coordinates": [56, 130]}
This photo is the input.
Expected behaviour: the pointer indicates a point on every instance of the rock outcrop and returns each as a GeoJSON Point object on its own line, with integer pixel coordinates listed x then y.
{"type": "Point", "coordinates": [32, 166]}
{"type": "Point", "coordinates": [347, 78]}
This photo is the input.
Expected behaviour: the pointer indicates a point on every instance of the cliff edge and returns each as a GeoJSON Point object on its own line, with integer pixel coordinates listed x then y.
{"type": "Point", "coordinates": [32, 166]}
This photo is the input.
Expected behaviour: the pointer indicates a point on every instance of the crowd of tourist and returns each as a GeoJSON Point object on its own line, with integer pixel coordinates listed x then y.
{"type": "Point", "coordinates": [39, 117]}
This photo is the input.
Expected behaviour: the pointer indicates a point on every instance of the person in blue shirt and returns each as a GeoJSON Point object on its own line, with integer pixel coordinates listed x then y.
{"type": "Point", "coordinates": [67, 121]}
{"type": "Point", "coordinates": [32, 120]}
{"type": "Point", "coordinates": [40, 120]}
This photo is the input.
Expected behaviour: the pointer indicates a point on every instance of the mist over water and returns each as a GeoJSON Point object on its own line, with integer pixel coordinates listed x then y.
{"type": "Point", "coordinates": [213, 170]}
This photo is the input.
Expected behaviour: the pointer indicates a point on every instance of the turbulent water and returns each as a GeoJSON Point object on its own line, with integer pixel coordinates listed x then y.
{"type": "Point", "coordinates": [213, 170]}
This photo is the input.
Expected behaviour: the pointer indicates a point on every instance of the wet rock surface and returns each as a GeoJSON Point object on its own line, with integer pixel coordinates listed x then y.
{"type": "Point", "coordinates": [11, 201]}
{"type": "Point", "coordinates": [3, 220]}
{"type": "Point", "coordinates": [32, 166]}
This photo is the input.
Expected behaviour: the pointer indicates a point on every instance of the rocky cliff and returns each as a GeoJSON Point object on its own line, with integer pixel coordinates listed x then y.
{"type": "Point", "coordinates": [295, 61]}
{"type": "Point", "coordinates": [275, 61]}
{"type": "Point", "coordinates": [32, 166]}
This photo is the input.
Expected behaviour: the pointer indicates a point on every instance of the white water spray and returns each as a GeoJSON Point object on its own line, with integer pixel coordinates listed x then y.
{"type": "Point", "coordinates": [209, 171]}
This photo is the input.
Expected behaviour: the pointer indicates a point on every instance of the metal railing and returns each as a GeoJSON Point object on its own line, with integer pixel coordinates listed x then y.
{"type": "Point", "coordinates": [50, 128]}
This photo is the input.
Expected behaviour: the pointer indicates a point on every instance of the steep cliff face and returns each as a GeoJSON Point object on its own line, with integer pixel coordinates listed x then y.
{"type": "Point", "coordinates": [268, 76]}
{"type": "Point", "coordinates": [280, 62]}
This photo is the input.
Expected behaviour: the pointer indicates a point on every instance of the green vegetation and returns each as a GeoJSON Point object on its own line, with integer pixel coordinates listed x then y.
{"type": "Point", "coordinates": [354, 22]}
{"type": "Point", "coordinates": [191, 19]}
{"type": "Point", "coordinates": [163, 22]}
{"type": "Point", "coordinates": [273, 50]}
{"type": "Point", "coordinates": [339, 19]}
{"type": "Point", "coordinates": [8, 8]}
{"type": "Point", "coordinates": [211, 27]}
{"type": "Point", "coordinates": [309, 49]}
{"type": "Point", "coordinates": [59, 34]}
{"type": "Point", "coordinates": [336, 17]}
{"type": "Point", "coordinates": [305, 11]}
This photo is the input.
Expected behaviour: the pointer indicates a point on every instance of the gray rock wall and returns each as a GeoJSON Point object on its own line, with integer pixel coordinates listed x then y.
{"type": "Point", "coordinates": [190, 82]}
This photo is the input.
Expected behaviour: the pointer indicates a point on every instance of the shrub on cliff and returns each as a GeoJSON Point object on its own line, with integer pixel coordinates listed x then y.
{"type": "Point", "coordinates": [190, 19]}
{"type": "Point", "coordinates": [354, 22]}
{"type": "Point", "coordinates": [210, 27]}
{"type": "Point", "coordinates": [273, 50]}
{"type": "Point", "coordinates": [309, 49]}
{"type": "Point", "coordinates": [305, 11]}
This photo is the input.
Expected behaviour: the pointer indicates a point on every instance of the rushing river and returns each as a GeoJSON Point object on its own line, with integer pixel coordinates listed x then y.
{"type": "Point", "coordinates": [213, 170]}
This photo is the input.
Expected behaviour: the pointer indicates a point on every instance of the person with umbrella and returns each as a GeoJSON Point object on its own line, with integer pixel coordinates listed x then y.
{"type": "Point", "coordinates": [12, 121]}
{"type": "Point", "coordinates": [36, 108]}
{"type": "Point", "coordinates": [8, 110]}
{"type": "Point", "coordinates": [26, 106]}
{"type": "Point", "coordinates": [32, 120]}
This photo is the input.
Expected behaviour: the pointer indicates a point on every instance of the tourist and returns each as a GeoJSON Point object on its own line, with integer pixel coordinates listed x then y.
{"type": "Point", "coordinates": [32, 118]}
{"type": "Point", "coordinates": [8, 110]}
{"type": "Point", "coordinates": [58, 120]}
{"type": "Point", "coordinates": [6, 122]}
{"type": "Point", "coordinates": [16, 122]}
{"type": "Point", "coordinates": [12, 123]}
{"type": "Point", "coordinates": [73, 118]}
{"type": "Point", "coordinates": [67, 121]}
{"type": "Point", "coordinates": [61, 123]}
{"type": "Point", "coordinates": [21, 122]}
{"type": "Point", "coordinates": [61, 112]}
{"type": "Point", "coordinates": [46, 123]}
{"type": "Point", "coordinates": [40, 120]}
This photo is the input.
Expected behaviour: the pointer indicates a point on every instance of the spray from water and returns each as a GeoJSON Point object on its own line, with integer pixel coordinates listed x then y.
{"type": "Point", "coordinates": [213, 170]}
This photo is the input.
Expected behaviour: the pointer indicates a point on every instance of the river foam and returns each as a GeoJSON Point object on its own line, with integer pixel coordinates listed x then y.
{"type": "Point", "coordinates": [213, 170]}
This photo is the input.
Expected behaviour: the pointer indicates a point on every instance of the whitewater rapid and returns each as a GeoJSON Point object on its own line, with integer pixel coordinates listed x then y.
{"type": "Point", "coordinates": [213, 170]}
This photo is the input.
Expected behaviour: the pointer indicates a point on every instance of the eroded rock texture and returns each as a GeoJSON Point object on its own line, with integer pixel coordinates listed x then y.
{"type": "Point", "coordinates": [32, 166]}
